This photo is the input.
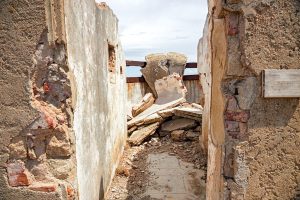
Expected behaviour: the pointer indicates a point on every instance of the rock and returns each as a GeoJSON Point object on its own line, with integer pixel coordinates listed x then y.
{"type": "Point", "coordinates": [177, 124]}
{"type": "Point", "coordinates": [58, 148]}
{"type": "Point", "coordinates": [178, 135]}
{"type": "Point", "coordinates": [129, 118]}
{"type": "Point", "coordinates": [195, 105]}
{"type": "Point", "coordinates": [17, 174]}
{"type": "Point", "coordinates": [61, 169]}
{"type": "Point", "coordinates": [18, 149]}
{"type": "Point", "coordinates": [192, 135]}
{"type": "Point", "coordinates": [146, 102]}
{"type": "Point", "coordinates": [43, 187]}
{"type": "Point", "coordinates": [242, 116]}
{"type": "Point", "coordinates": [137, 137]}
{"type": "Point", "coordinates": [247, 92]}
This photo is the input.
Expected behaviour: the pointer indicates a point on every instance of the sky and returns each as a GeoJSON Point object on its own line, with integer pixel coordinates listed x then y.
{"type": "Point", "coordinates": [159, 26]}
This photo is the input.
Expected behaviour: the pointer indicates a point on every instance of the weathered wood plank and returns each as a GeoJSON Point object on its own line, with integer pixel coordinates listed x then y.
{"type": "Point", "coordinates": [282, 83]}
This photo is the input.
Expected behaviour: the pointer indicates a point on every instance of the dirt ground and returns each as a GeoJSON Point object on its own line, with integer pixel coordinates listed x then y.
{"type": "Point", "coordinates": [134, 175]}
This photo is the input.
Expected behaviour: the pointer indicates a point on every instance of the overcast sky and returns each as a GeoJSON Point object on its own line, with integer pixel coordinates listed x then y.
{"type": "Point", "coordinates": [159, 26]}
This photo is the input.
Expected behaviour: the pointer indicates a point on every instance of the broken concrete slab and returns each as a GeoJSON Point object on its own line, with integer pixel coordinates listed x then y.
{"type": "Point", "coordinates": [170, 88]}
{"type": "Point", "coordinates": [155, 69]}
{"type": "Point", "coordinates": [191, 113]}
{"type": "Point", "coordinates": [140, 135]}
{"type": "Point", "coordinates": [176, 63]}
{"type": "Point", "coordinates": [178, 124]}
{"type": "Point", "coordinates": [145, 103]}
{"type": "Point", "coordinates": [153, 118]}
{"type": "Point", "coordinates": [166, 113]}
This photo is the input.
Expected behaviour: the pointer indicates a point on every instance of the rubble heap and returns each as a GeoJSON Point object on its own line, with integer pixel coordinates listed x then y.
{"type": "Point", "coordinates": [165, 111]}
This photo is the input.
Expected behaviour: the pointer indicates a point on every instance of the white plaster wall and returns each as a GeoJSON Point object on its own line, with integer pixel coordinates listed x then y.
{"type": "Point", "coordinates": [99, 111]}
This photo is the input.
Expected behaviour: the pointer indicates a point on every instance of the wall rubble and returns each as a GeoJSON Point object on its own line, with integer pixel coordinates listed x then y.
{"type": "Point", "coordinates": [255, 152]}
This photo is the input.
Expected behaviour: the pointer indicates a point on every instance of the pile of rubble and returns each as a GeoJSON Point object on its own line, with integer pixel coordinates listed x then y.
{"type": "Point", "coordinates": [165, 111]}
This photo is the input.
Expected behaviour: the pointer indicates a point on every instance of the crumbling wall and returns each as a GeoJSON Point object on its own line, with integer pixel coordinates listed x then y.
{"type": "Point", "coordinates": [252, 141]}
{"type": "Point", "coordinates": [95, 58]}
{"type": "Point", "coordinates": [37, 141]}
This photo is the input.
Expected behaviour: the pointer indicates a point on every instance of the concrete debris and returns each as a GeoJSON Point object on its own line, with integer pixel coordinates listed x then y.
{"type": "Point", "coordinates": [140, 135]}
{"type": "Point", "coordinates": [162, 65]}
{"type": "Point", "coordinates": [169, 114]}
{"type": "Point", "coordinates": [146, 102]}
{"type": "Point", "coordinates": [178, 124]}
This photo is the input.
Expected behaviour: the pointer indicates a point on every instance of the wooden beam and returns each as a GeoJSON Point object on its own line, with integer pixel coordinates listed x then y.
{"type": "Point", "coordinates": [281, 83]}
{"type": "Point", "coordinates": [141, 79]}
{"type": "Point", "coordinates": [132, 63]}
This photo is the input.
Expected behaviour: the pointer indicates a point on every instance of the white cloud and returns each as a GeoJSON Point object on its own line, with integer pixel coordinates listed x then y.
{"type": "Point", "coordinates": [150, 26]}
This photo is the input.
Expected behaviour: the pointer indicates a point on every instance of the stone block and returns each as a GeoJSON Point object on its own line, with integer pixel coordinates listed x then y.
{"type": "Point", "coordinates": [178, 124]}
{"type": "Point", "coordinates": [18, 149]}
{"type": "Point", "coordinates": [247, 92]}
{"type": "Point", "coordinates": [58, 147]}
{"type": "Point", "coordinates": [17, 174]}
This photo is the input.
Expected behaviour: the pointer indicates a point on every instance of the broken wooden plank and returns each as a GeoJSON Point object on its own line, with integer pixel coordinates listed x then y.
{"type": "Point", "coordinates": [138, 136]}
{"type": "Point", "coordinates": [145, 103]}
{"type": "Point", "coordinates": [283, 83]}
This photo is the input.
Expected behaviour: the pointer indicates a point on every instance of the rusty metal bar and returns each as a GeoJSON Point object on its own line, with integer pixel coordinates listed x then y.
{"type": "Point", "coordinates": [141, 79]}
{"type": "Point", "coordinates": [132, 63]}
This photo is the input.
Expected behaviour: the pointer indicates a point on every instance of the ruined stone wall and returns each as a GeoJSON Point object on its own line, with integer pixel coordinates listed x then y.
{"type": "Point", "coordinates": [37, 141]}
{"type": "Point", "coordinates": [253, 145]}
{"type": "Point", "coordinates": [95, 57]}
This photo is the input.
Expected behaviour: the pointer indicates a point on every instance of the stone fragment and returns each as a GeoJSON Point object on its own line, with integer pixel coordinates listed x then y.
{"type": "Point", "coordinates": [192, 113]}
{"type": "Point", "coordinates": [18, 149]}
{"type": "Point", "coordinates": [152, 119]}
{"type": "Point", "coordinates": [232, 126]}
{"type": "Point", "coordinates": [155, 69]}
{"type": "Point", "coordinates": [59, 147]}
{"type": "Point", "coordinates": [166, 113]}
{"type": "Point", "coordinates": [178, 135]}
{"type": "Point", "coordinates": [178, 124]}
{"type": "Point", "coordinates": [192, 135]}
{"type": "Point", "coordinates": [247, 92]}
{"type": "Point", "coordinates": [129, 118]}
{"type": "Point", "coordinates": [137, 137]}
{"type": "Point", "coordinates": [61, 168]}
{"type": "Point", "coordinates": [17, 174]}
{"type": "Point", "coordinates": [146, 102]}
{"type": "Point", "coordinates": [43, 187]}
{"type": "Point", "coordinates": [39, 170]}
{"type": "Point", "coordinates": [169, 89]}
{"type": "Point", "coordinates": [44, 121]}
{"type": "Point", "coordinates": [195, 105]}
{"type": "Point", "coordinates": [198, 129]}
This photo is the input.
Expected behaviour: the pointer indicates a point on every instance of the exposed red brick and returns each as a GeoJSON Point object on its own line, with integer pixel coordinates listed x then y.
{"type": "Point", "coordinates": [46, 87]}
{"type": "Point", "coordinates": [18, 174]}
{"type": "Point", "coordinates": [233, 23]}
{"type": "Point", "coordinates": [242, 116]}
{"type": "Point", "coordinates": [44, 187]}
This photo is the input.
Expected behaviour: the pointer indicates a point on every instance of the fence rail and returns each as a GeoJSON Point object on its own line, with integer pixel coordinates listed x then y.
{"type": "Point", "coordinates": [142, 64]}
